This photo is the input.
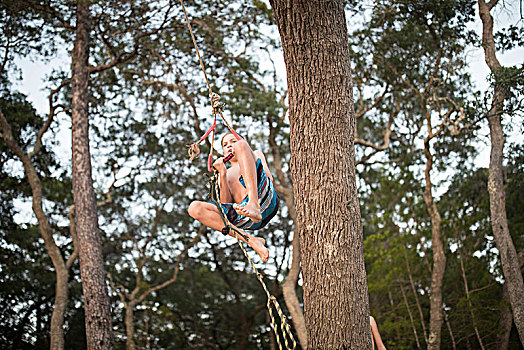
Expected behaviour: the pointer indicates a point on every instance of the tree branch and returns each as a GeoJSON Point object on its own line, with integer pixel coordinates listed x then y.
{"type": "Point", "coordinates": [126, 56]}
{"type": "Point", "coordinates": [50, 116]}
{"type": "Point", "coordinates": [177, 266]}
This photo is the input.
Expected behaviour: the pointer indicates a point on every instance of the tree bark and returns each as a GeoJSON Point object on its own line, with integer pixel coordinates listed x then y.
{"type": "Point", "coordinates": [61, 270]}
{"type": "Point", "coordinates": [439, 258]}
{"type": "Point", "coordinates": [499, 223]}
{"type": "Point", "coordinates": [129, 321]}
{"type": "Point", "coordinates": [505, 322]}
{"type": "Point", "coordinates": [315, 44]}
{"type": "Point", "coordinates": [96, 299]}
{"type": "Point", "coordinates": [506, 319]}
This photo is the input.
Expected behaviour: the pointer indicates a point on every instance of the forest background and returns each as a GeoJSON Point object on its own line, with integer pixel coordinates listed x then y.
{"type": "Point", "coordinates": [174, 284]}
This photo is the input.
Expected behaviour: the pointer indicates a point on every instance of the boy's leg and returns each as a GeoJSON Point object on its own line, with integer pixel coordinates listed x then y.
{"type": "Point", "coordinates": [247, 161]}
{"type": "Point", "coordinates": [207, 214]}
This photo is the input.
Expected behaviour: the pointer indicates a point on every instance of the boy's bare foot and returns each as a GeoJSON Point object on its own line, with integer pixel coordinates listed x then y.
{"type": "Point", "coordinates": [259, 245]}
{"type": "Point", "coordinates": [249, 210]}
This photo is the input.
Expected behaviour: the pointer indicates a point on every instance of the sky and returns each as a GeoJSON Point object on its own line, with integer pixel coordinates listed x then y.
{"type": "Point", "coordinates": [34, 74]}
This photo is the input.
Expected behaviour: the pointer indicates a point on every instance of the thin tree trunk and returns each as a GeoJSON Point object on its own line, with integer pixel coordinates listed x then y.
{"type": "Point", "coordinates": [439, 258]}
{"type": "Point", "coordinates": [96, 299]}
{"type": "Point", "coordinates": [138, 295]}
{"type": "Point", "coordinates": [505, 322]}
{"type": "Point", "coordinates": [392, 304]}
{"type": "Point", "coordinates": [415, 294]}
{"type": "Point", "coordinates": [450, 331]}
{"type": "Point", "coordinates": [130, 325]}
{"type": "Point", "coordinates": [466, 290]}
{"type": "Point", "coordinates": [290, 295]}
{"type": "Point", "coordinates": [410, 316]}
{"type": "Point", "coordinates": [316, 53]}
{"type": "Point", "coordinates": [499, 223]}
{"type": "Point", "coordinates": [506, 318]}
{"type": "Point", "coordinates": [61, 270]}
{"type": "Point", "coordinates": [148, 336]}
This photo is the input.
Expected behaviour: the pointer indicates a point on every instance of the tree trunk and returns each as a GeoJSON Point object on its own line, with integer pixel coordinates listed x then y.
{"type": "Point", "coordinates": [497, 196]}
{"type": "Point", "coordinates": [439, 258]}
{"type": "Point", "coordinates": [394, 318]}
{"type": "Point", "coordinates": [315, 44]}
{"type": "Point", "coordinates": [61, 270]}
{"type": "Point", "coordinates": [468, 298]}
{"type": "Point", "coordinates": [96, 300]}
{"type": "Point", "coordinates": [290, 284]}
{"type": "Point", "coordinates": [290, 295]}
{"type": "Point", "coordinates": [506, 319]}
{"type": "Point", "coordinates": [410, 316]}
{"type": "Point", "coordinates": [415, 294]}
{"type": "Point", "coordinates": [505, 322]}
{"type": "Point", "coordinates": [450, 331]}
{"type": "Point", "coordinates": [130, 326]}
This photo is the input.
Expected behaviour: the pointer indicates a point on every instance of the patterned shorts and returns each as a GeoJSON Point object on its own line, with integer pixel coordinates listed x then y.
{"type": "Point", "coordinates": [267, 197]}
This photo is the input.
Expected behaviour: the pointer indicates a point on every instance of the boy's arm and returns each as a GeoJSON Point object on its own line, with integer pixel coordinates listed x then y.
{"type": "Point", "coordinates": [376, 334]}
{"type": "Point", "coordinates": [260, 155]}
{"type": "Point", "coordinates": [225, 194]}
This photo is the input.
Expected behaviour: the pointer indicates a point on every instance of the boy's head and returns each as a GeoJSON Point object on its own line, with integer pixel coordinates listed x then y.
{"type": "Point", "coordinates": [227, 143]}
{"type": "Point", "coordinates": [224, 138]}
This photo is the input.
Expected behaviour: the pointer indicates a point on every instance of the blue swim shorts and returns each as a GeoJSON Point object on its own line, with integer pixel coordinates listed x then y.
{"type": "Point", "coordinates": [267, 197]}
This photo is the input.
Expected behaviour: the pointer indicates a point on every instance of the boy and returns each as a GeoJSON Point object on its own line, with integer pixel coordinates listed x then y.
{"type": "Point", "coordinates": [247, 194]}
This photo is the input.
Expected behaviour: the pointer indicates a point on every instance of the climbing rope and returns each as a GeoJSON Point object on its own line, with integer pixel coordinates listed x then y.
{"type": "Point", "coordinates": [194, 151]}
{"type": "Point", "coordinates": [217, 107]}
{"type": "Point", "coordinates": [287, 335]}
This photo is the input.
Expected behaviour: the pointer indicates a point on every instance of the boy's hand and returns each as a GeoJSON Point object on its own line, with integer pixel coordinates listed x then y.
{"type": "Point", "coordinates": [220, 166]}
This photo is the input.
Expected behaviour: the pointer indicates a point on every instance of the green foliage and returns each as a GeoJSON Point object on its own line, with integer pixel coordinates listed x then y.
{"type": "Point", "coordinates": [27, 277]}
{"type": "Point", "coordinates": [509, 38]}
{"type": "Point", "coordinates": [145, 110]}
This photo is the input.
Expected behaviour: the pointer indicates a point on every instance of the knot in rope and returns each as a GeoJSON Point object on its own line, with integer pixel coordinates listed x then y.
{"type": "Point", "coordinates": [225, 230]}
{"type": "Point", "coordinates": [215, 103]}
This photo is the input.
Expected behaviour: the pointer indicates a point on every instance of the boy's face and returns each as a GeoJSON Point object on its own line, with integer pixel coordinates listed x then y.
{"type": "Point", "coordinates": [227, 143]}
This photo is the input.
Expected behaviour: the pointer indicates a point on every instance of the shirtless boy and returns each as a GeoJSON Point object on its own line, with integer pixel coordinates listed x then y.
{"type": "Point", "coordinates": [247, 194]}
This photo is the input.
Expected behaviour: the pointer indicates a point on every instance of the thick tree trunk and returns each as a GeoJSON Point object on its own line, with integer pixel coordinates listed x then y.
{"type": "Point", "coordinates": [439, 258]}
{"type": "Point", "coordinates": [62, 271]}
{"type": "Point", "coordinates": [96, 299]}
{"type": "Point", "coordinates": [315, 45]}
{"type": "Point", "coordinates": [499, 223]}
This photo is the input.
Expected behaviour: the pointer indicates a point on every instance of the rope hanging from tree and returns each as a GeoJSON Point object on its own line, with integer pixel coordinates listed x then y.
{"type": "Point", "coordinates": [217, 107]}
{"type": "Point", "coordinates": [194, 151]}
{"type": "Point", "coordinates": [287, 335]}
